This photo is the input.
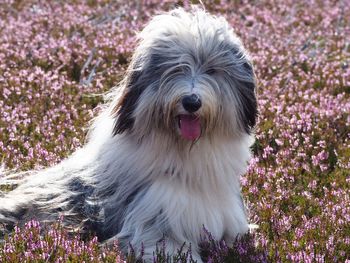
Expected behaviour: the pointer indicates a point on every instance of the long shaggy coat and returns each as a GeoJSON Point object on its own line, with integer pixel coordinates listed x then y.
{"type": "Point", "coordinates": [165, 156]}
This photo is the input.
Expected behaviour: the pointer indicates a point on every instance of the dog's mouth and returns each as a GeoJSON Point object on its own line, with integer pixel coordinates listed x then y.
{"type": "Point", "coordinates": [189, 126]}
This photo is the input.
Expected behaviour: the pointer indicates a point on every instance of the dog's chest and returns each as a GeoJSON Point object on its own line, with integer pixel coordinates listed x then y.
{"type": "Point", "coordinates": [189, 210]}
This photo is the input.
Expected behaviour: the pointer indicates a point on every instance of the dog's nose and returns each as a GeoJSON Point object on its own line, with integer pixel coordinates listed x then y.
{"type": "Point", "coordinates": [191, 103]}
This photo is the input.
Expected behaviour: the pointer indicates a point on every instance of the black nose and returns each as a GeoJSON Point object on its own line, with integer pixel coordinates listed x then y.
{"type": "Point", "coordinates": [191, 103]}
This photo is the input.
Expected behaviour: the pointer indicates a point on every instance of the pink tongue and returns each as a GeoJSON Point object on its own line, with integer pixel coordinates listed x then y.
{"type": "Point", "coordinates": [190, 127]}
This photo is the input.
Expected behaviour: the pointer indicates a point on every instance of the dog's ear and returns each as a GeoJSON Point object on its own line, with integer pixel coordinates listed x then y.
{"type": "Point", "coordinates": [246, 89]}
{"type": "Point", "coordinates": [247, 92]}
{"type": "Point", "coordinates": [123, 110]}
{"type": "Point", "coordinates": [139, 78]}
{"type": "Point", "coordinates": [249, 110]}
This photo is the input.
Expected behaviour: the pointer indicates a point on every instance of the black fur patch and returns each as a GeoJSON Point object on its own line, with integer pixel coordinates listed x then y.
{"type": "Point", "coordinates": [127, 104]}
{"type": "Point", "coordinates": [249, 110]}
{"type": "Point", "coordinates": [247, 89]}
{"type": "Point", "coordinates": [113, 225]}
{"type": "Point", "coordinates": [137, 82]}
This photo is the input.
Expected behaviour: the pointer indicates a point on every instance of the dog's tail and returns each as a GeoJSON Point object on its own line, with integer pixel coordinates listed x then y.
{"type": "Point", "coordinates": [45, 195]}
{"type": "Point", "coordinates": [24, 195]}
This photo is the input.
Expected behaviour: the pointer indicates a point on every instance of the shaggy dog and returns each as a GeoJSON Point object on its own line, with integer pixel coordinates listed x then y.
{"type": "Point", "coordinates": [165, 156]}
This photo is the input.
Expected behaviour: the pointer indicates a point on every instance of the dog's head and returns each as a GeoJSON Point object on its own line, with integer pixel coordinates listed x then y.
{"type": "Point", "coordinates": [190, 77]}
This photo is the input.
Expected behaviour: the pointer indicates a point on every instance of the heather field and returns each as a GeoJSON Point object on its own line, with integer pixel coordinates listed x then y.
{"type": "Point", "coordinates": [58, 57]}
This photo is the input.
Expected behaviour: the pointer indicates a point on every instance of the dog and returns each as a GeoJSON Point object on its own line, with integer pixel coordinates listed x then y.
{"type": "Point", "coordinates": [165, 156]}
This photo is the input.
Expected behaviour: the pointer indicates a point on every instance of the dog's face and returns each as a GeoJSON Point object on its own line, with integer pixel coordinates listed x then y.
{"type": "Point", "coordinates": [190, 77]}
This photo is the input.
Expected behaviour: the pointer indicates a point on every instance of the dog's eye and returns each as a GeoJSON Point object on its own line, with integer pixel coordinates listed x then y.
{"type": "Point", "coordinates": [248, 67]}
{"type": "Point", "coordinates": [210, 71]}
